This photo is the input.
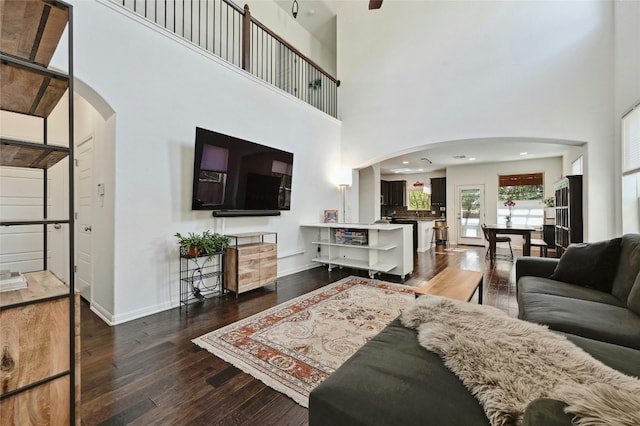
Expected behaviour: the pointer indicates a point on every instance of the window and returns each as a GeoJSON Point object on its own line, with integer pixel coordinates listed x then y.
{"type": "Point", "coordinates": [631, 171]}
{"type": "Point", "coordinates": [631, 141]}
{"type": "Point", "coordinates": [419, 200]}
{"type": "Point", "coordinates": [521, 187]}
{"type": "Point", "coordinates": [527, 191]}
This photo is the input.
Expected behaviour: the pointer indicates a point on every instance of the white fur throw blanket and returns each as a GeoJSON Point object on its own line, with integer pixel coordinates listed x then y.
{"type": "Point", "coordinates": [506, 363]}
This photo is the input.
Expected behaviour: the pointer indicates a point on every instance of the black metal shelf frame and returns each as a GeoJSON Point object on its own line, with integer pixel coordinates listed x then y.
{"type": "Point", "coordinates": [201, 277]}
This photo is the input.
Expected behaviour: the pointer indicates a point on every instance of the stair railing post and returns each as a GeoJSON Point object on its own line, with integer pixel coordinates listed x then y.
{"type": "Point", "coordinates": [246, 38]}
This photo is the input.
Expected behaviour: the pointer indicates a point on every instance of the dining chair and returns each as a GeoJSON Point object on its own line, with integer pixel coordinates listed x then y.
{"type": "Point", "coordinates": [499, 239]}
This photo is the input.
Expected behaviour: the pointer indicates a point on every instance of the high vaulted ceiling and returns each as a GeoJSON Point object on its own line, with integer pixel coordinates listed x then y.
{"type": "Point", "coordinates": [319, 18]}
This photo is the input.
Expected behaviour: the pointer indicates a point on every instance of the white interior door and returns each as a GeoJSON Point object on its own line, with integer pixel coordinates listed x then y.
{"type": "Point", "coordinates": [21, 192]}
{"type": "Point", "coordinates": [470, 214]}
{"type": "Point", "coordinates": [84, 203]}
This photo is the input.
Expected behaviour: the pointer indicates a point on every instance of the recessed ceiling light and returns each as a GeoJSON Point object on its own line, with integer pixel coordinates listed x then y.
{"type": "Point", "coordinates": [523, 153]}
{"type": "Point", "coordinates": [421, 170]}
{"type": "Point", "coordinates": [397, 171]}
{"type": "Point", "coordinates": [472, 159]}
{"type": "Point", "coordinates": [405, 162]}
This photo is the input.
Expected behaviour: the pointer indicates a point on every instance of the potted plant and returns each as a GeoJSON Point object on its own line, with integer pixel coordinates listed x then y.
{"type": "Point", "coordinates": [189, 244]}
{"type": "Point", "coordinates": [207, 243]}
{"type": "Point", "coordinates": [213, 242]}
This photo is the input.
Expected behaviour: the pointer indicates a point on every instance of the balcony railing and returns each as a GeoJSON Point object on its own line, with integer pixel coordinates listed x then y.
{"type": "Point", "coordinates": [230, 32]}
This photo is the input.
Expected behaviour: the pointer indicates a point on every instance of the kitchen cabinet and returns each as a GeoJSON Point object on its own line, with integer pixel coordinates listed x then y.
{"type": "Point", "coordinates": [393, 193]}
{"type": "Point", "coordinates": [438, 194]}
{"type": "Point", "coordinates": [384, 193]}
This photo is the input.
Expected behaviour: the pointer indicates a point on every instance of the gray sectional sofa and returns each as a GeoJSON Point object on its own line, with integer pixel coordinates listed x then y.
{"type": "Point", "coordinates": [394, 380]}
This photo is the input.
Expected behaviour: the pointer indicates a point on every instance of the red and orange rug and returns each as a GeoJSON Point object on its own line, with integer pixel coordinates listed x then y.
{"type": "Point", "coordinates": [294, 346]}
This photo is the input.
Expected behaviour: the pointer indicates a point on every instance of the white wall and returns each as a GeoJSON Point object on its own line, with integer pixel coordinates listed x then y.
{"type": "Point", "coordinates": [282, 23]}
{"type": "Point", "coordinates": [160, 91]}
{"type": "Point", "coordinates": [427, 72]}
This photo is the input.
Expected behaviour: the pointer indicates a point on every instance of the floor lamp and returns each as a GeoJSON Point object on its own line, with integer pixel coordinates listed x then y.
{"type": "Point", "coordinates": [344, 181]}
{"type": "Point", "coordinates": [343, 202]}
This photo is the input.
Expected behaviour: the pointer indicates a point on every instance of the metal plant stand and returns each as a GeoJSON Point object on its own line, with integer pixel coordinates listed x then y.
{"type": "Point", "coordinates": [201, 277]}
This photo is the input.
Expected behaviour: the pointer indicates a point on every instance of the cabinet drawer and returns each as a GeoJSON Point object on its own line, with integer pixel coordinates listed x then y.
{"type": "Point", "coordinates": [34, 340]}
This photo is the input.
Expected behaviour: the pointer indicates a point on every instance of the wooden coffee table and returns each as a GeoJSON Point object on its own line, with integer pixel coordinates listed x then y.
{"type": "Point", "coordinates": [454, 283]}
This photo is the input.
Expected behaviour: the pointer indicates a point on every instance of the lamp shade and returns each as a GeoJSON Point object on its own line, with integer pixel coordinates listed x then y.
{"type": "Point", "coordinates": [344, 177]}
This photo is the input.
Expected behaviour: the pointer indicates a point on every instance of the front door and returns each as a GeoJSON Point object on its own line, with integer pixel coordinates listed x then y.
{"type": "Point", "coordinates": [470, 214]}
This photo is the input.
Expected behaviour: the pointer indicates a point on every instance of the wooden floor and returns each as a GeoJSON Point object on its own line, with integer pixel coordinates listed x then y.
{"type": "Point", "coordinates": [147, 371]}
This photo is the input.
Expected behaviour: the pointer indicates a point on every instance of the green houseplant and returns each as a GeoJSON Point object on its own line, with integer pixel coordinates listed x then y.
{"type": "Point", "coordinates": [207, 243]}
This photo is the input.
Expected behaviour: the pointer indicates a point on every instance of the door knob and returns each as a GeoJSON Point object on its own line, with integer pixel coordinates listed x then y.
{"type": "Point", "coordinates": [87, 228]}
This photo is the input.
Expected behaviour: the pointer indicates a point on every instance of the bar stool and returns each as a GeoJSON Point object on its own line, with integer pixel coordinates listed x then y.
{"type": "Point", "coordinates": [440, 233]}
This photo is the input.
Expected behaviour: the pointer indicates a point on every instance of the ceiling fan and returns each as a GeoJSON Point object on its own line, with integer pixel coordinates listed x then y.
{"type": "Point", "coordinates": [375, 4]}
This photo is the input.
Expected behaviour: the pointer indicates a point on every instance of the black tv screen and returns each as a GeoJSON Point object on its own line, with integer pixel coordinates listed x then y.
{"type": "Point", "coordinates": [235, 174]}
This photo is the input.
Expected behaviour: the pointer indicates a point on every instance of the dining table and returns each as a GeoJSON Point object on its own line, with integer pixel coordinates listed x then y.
{"type": "Point", "coordinates": [524, 230]}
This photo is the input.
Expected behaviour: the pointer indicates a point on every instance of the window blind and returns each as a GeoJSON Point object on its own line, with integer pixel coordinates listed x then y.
{"type": "Point", "coordinates": [631, 140]}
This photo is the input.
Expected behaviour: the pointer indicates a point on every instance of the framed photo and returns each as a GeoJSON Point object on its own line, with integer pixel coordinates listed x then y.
{"type": "Point", "coordinates": [331, 216]}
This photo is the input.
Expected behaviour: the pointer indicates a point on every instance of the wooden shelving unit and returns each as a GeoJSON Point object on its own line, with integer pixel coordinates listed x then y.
{"type": "Point", "coordinates": [41, 323]}
{"type": "Point", "coordinates": [568, 226]}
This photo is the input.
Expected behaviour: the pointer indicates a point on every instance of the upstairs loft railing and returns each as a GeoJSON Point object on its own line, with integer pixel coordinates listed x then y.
{"type": "Point", "coordinates": [230, 32]}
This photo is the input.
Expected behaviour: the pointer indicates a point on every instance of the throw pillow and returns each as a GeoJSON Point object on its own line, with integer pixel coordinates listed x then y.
{"type": "Point", "coordinates": [633, 302]}
{"type": "Point", "coordinates": [590, 265]}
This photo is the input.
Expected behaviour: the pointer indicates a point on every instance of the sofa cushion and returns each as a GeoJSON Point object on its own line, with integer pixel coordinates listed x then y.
{"type": "Point", "coordinates": [591, 265]}
{"type": "Point", "coordinates": [548, 286]}
{"type": "Point", "coordinates": [599, 321]}
{"type": "Point", "coordinates": [547, 412]}
{"type": "Point", "coordinates": [393, 380]}
{"type": "Point", "coordinates": [624, 359]}
{"type": "Point", "coordinates": [628, 266]}
{"type": "Point", "coordinates": [633, 302]}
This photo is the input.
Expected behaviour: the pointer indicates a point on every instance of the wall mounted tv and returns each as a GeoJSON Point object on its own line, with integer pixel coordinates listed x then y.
{"type": "Point", "coordinates": [235, 177]}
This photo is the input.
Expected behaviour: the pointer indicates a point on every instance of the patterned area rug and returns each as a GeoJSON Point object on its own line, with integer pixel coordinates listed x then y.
{"type": "Point", "coordinates": [294, 346]}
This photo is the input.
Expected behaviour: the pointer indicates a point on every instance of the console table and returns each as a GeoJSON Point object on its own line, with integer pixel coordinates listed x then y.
{"type": "Point", "coordinates": [251, 261]}
{"type": "Point", "coordinates": [376, 248]}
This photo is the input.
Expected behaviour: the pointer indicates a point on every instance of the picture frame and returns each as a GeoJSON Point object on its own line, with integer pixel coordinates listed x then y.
{"type": "Point", "coordinates": [331, 216]}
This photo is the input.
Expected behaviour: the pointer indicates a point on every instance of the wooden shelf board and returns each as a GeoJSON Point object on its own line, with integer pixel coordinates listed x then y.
{"type": "Point", "coordinates": [28, 89]}
{"type": "Point", "coordinates": [32, 155]}
{"type": "Point", "coordinates": [41, 285]}
{"type": "Point", "coordinates": [32, 29]}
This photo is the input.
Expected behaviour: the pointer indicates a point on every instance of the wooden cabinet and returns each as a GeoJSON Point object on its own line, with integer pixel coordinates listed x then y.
{"type": "Point", "coordinates": [568, 226]}
{"type": "Point", "coordinates": [375, 248]}
{"type": "Point", "coordinates": [251, 261]}
{"type": "Point", "coordinates": [39, 338]}
{"type": "Point", "coordinates": [384, 193]}
{"type": "Point", "coordinates": [393, 193]}
{"type": "Point", "coordinates": [36, 359]}
{"type": "Point", "coordinates": [438, 193]}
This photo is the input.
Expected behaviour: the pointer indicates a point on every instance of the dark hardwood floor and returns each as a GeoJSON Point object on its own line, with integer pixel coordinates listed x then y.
{"type": "Point", "coordinates": [147, 371]}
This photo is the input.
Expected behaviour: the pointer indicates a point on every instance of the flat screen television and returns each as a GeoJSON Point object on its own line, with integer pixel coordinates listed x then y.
{"type": "Point", "coordinates": [239, 177]}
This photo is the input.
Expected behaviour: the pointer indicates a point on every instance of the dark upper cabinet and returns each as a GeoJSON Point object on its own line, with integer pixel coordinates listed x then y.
{"type": "Point", "coordinates": [393, 192]}
{"type": "Point", "coordinates": [384, 193]}
{"type": "Point", "coordinates": [438, 192]}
